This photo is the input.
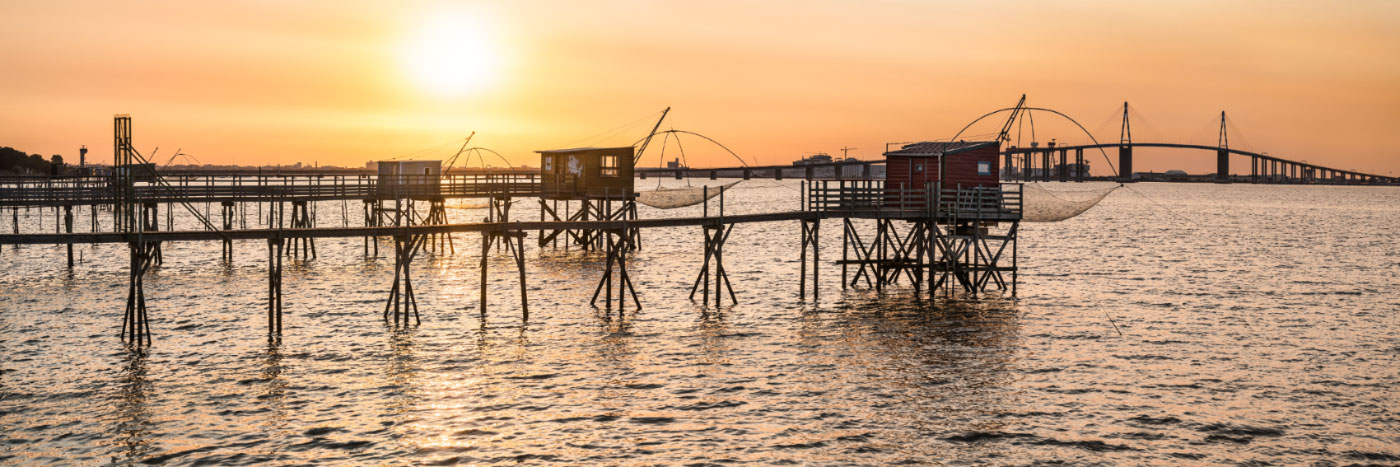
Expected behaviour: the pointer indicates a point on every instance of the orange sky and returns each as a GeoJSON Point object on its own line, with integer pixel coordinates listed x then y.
{"type": "Point", "coordinates": [340, 82]}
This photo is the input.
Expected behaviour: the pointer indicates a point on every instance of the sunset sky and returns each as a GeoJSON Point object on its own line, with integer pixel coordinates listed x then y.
{"type": "Point", "coordinates": [344, 82]}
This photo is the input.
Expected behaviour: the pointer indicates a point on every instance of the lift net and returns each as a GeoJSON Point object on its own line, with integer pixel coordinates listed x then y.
{"type": "Point", "coordinates": [671, 198]}
{"type": "Point", "coordinates": [1042, 205]}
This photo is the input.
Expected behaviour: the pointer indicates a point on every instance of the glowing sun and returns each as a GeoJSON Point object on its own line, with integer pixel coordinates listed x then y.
{"type": "Point", "coordinates": [451, 55]}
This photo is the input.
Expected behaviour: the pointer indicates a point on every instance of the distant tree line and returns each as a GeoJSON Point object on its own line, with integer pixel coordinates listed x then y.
{"type": "Point", "coordinates": [14, 161]}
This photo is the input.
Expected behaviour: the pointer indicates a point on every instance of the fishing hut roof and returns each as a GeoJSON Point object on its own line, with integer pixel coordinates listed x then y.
{"type": "Point", "coordinates": [939, 148]}
{"type": "Point", "coordinates": [565, 151]}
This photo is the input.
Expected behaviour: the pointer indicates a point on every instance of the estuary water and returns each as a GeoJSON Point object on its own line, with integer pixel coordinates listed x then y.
{"type": "Point", "coordinates": [1172, 324]}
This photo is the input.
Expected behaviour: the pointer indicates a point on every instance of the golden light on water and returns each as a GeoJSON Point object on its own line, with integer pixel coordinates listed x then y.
{"type": "Point", "coordinates": [451, 54]}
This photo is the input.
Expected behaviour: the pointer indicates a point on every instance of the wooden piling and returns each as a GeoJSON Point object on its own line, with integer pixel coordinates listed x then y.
{"type": "Point", "coordinates": [402, 300]}
{"type": "Point", "coordinates": [274, 287]}
{"type": "Point", "coordinates": [68, 225]}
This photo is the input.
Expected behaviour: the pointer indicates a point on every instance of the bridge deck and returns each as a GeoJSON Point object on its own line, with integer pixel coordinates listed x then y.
{"type": "Point", "coordinates": [1310, 169]}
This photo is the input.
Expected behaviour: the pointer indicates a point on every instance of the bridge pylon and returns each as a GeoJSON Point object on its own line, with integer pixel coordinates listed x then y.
{"type": "Point", "coordinates": [1222, 155]}
{"type": "Point", "coordinates": [1125, 148]}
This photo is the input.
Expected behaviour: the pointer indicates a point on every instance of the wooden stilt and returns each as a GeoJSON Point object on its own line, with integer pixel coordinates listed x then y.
{"type": "Point", "coordinates": [810, 239]}
{"type": "Point", "coordinates": [816, 260]}
{"type": "Point", "coordinates": [519, 251]}
{"type": "Point", "coordinates": [68, 225]}
{"type": "Point", "coordinates": [437, 215]}
{"type": "Point", "coordinates": [486, 239]}
{"type": "Point", "coordinates": [616, 241]}
{"type": "Point", "coordinates": [274, 288]}
{"type": "Point", "coordinates": [303, 247]}
{"type": "Point", "coordinates": [402, 300]}
{"type": "Point", "coordinates": [136, 327]}
{"type": "Point", "coordinates": [715, 236]}
{"type": "Point", "coordinates": [226, 212]}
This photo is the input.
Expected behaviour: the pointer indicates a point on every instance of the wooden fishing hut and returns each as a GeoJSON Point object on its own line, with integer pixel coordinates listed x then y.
{"type": "Point", "coordinates": [587, 173]}
{"type": "Point", "coordinates": [940, 165]}
{"type": "Point", "coordinates": [951, 164]}
{"type": "Point", "coordinates": [933, 214]}
{"type": "Point", "coordinates": [596, 178]}
{"type": "Point", "coordinates": [409, 179]}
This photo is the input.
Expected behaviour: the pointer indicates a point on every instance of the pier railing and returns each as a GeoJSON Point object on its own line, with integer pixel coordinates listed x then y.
{"type": "Point", "coordinates": [22, 191]}
{"type": "Point", "coordinates": [932, 200]}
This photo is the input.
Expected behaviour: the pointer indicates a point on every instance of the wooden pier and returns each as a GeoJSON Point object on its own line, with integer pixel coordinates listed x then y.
{"type": "Point", "coordinates": [928, 233]}
{"type": "Point", "coordinates": [931, 237]}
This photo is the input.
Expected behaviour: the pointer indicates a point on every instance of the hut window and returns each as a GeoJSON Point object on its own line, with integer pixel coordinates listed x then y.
{"type": "Point", "coordinates": [918, 167]}
{"type": "Point", "coordinates": [609, 166]}
{"type": "Point", "coordinates": [984, 168]}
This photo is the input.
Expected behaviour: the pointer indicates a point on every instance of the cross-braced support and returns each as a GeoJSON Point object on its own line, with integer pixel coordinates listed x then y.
{"type": "Point", "coordinates": [136, 326]}
{"type": "Point", "coordinates": [968, 257]}
{"type": "Point", "coordinates": [589, 239]}
{"type": "Point", "coordinates": [590, 209]}
{"type": "Point", "coordinates": [68, 224]}
{"type": "Point", "coordinates": [811, 236]}
{"type": "Point", "coordinates": [852, 242]}
{"type": "Point", "coordinates": [437, 215]}
{"type": "Point", "coordinates": [498, 210]}
{"type": "Point", "coordinates": [150, 222]}
{"type": "Point", "coordinates": [514, 242]}
{"type": "Point", "coordinates": [372, 218]}
{"type": "Point", "coordinates": [274, 287]}
{"type": "Point", "coordinates": [617, 248]}
{"type": "Point", "coordinates": [629, 212]}
{"type": "Point", "coordinates": [962, 255]}
{"type": "Point", "coordinates": [302, 247]}
{"type": "Point", "coordinates": [401, 298]}
{"type": "Point", "coordinates": [903, 255]}
{"type": "Point", "coordinates": [550, 208]}
{"type": "Point", "coordinates": [715, 236]}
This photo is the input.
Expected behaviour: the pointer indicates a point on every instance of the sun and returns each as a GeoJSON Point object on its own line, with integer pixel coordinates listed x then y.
{"type": "Point", "coordinates": [451, 54]}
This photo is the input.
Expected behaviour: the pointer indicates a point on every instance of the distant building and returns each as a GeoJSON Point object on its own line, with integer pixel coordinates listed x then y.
{"type": "Point", "coordinates": [1071, 170]}
{"type": "Point", "coordinates": [675, 164]}
{"type": "Point", "coordinates": [818, 158]}
{"type": "Point", "coordinates": [409, 179]}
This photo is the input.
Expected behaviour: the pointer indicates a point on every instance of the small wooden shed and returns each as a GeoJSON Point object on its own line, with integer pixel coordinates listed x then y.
{"type": "Point", "coordinates": [954, 164]}
{"type": "Point", "coordinates": [409, 179]}
{"type": "Point", "coordinates": [587, 172]}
